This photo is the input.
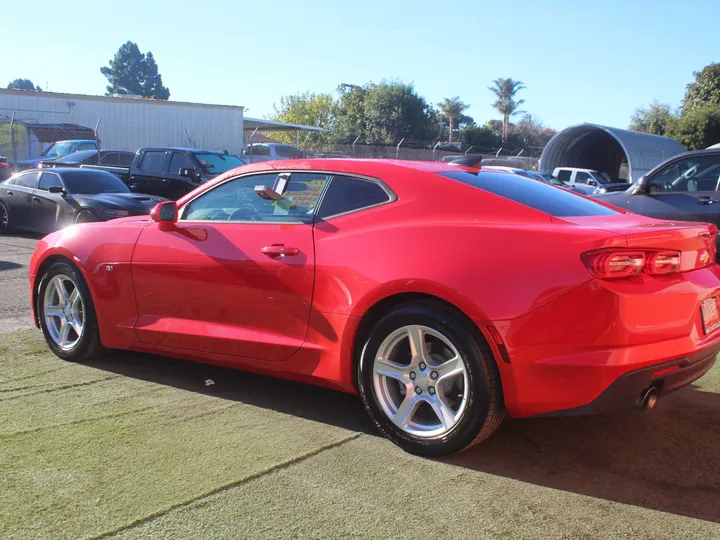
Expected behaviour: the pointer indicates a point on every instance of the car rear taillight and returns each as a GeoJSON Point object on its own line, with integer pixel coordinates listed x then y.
{"type": "Point", "coordinates": [706, 256]}
{"type": "Point", "coordinates": [614, 264]}
{"type": "Point", "coordinates": [5, 165]}
{"type": "Point", "coordinates": [662, 262]}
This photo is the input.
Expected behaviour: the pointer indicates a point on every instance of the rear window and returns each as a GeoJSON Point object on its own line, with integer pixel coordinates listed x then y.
{"type": "Point", "coordinates": [543, 197]}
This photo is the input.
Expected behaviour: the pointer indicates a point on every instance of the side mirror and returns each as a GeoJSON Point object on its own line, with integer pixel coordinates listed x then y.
{"type": "Point", "coordinates": [641, 186]}
{"type": "Point", "coordinates": [591, 182]}
{"type": "Point", "coordinates": [165, 212]}
{"type": "Point", "coordinates": [192, 174]}
{"type": "Point", "coordinates": [56, 189]}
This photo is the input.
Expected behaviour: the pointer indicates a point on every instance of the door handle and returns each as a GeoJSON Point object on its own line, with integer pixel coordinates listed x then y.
{"type": "Point", "coordinates": [279, 250]}
{"type": "Point", "coordinates": [38, 199]}
{"type": "Point", "coordinates": [706, 200]}
{"type": "Point", "coordinates": [8, 191]}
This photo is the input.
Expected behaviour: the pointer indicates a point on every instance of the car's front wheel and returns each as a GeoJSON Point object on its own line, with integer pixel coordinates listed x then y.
{"type": "Point", "coordinates": [4, 218]}
{"type": "Point", "coordinates": [429, 381]}
{"type": "Point", "coordinates": [67, 314]}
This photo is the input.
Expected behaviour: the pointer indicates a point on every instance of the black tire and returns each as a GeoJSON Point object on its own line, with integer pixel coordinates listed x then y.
{"type": "Point", "coordinates": [86, 216]}
{"type": "Point", "coordinates": [485, 409]}
{"type": "Point", "coordinates": [4, 218]}
{"type": "Point", "coordinates": [88, 347]}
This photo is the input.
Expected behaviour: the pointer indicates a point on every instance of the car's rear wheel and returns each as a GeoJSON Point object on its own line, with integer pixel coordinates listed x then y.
{"type": "Point", "coordinates": [4, 218]}
{"type": "Point", "coordinates": [67, 314]}
{"type": "Point", "coordinates": [429, 381]}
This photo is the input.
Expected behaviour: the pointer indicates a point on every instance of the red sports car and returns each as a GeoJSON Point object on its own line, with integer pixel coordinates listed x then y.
{"type": "Point", "coordinates": [447, 297]}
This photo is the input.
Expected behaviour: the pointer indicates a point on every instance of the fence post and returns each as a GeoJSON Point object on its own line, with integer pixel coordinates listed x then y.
{"type": "Point", "coordinates": [353, 145]}
{"type": "Point", "coordinates": [435, 150]}
{"type": "Point", "coordinates": [397, 149]}
{"type": "Point", "coordinates": [466, 151]}
{"type": "Point", "coordinates": [498, 152]}
{"type": "Point", "coordinates": [520, 152]}
{"type": "Point", "coordinates": [12, 141]}
{"type": "Point", "coordinates": [97, 140]}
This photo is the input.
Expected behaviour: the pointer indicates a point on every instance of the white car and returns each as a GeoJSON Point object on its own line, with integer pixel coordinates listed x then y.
{"type": "Point", "coordinates": [270, 151]}
{"type": "Point", "coordinates": [588, 181]}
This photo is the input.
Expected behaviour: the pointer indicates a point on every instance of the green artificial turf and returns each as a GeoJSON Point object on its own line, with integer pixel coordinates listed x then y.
{"type": "Point", "coordinates": [137, 446]}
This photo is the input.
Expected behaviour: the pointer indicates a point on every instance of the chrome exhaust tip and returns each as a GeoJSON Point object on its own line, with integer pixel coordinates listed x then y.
{"type": "Point", "coordinates": [649, 398]}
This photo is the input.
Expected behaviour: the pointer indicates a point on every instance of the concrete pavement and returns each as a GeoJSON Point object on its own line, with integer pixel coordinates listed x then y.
{"type": "Point", "coordinates": [15, 253]}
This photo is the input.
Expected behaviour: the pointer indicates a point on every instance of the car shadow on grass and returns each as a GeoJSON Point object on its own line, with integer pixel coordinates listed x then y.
{"type": "Point", "coordinates": [667, 459]}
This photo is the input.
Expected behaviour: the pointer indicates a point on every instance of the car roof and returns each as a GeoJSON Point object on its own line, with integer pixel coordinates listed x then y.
{"type": "Point", "coordinates": [181, 149]}
{"type": "Point", "coordinates": [65, 169]}
{"type": "Point", "coordinates": [576, 169]}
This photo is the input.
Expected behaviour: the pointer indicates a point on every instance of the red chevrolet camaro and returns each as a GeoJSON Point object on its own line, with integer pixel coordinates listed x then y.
{"type": "Point", "coordinates": [447, 297]}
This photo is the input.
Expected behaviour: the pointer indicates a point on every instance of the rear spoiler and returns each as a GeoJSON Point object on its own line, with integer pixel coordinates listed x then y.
{"type": "Point", "coordinates": [474, 162]}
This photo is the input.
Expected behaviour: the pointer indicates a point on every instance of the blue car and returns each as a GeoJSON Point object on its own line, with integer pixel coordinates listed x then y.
{"type": "Point", "coordinates": [57, 150]}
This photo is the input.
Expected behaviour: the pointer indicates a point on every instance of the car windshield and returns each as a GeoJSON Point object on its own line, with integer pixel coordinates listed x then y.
{"type": "Point", "coordinates": [218, 163]}
{"type": "Point", "coordinates": [58, 149]}
{"type": "Point", "coordinates": [550, 179]}
{"type": "Point", "coordinates": [603, 177]}
{"type": "Point", "coordinates": [89, 182]}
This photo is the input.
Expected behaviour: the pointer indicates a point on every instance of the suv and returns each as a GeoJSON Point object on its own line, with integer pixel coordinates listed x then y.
{"type": "Point", "coordinates": [269, 151]}
{"type": "Point", "coordinates": [588, 181]}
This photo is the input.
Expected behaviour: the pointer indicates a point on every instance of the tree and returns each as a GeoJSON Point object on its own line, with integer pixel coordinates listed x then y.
{"type": "Point", "coordinates": [506, 104]}
{"type": "Point", "coordinates": [704, 90]}
{"type": "Point", "coordinates": [307, 109]}
{"type": "Point", "coordinates": [452, 109]}
{"type": "Point", "coordinates": [698, 127]}
{"type": "Point", "coordinates": [394, 110]}
{"type": "Point", "coordinates": [481, 137]}
{"type": "Point", "coordinates": [131, 72]}
{"type": "Point", "coordinates": [531, 132]}
{"type": "Point", "coordinates": [655, 119]}
{"type": "Point", "coordinates": [23, 84]}
{"type": "Point", "coordinates": [350, 113]}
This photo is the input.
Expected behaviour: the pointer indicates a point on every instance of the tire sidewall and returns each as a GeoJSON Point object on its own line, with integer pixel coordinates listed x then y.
{"type": "Point", "coordinates": [87, 343]}
{"type": "Point", "coordinates": [478, 391]}
{"type": "Point", "coordinates": [6, 210]}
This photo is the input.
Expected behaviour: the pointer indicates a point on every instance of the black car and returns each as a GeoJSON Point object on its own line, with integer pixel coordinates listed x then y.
{"type": "Point", "coordinates": [45, 200]}
{"type": "Point", "coordinates": [683, 188]}
{"type": "Point", "coordinates": [111, 158]}
{"type": "Point", "coordinates": [172, 172]}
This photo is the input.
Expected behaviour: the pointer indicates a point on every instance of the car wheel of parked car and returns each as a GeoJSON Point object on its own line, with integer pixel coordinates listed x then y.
{"type": "Point", "coordinates": [429, 381]}
{"type": "Point", "coordinates": [4, 218]}
{"type": "Point", "coordinates": [67, 315]}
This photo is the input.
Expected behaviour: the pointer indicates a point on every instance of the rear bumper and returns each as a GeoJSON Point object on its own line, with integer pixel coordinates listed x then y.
{"type": "Point", "coordinates": [667, 377]}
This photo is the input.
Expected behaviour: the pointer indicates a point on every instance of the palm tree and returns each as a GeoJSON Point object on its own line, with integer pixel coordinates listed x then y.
{"type": "Point", "coordinates": [505, 90]}
{"type": "Point", "coordinates": [452, 108]}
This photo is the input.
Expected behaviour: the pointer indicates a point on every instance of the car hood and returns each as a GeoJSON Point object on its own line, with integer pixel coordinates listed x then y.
{"type": "Point", "coordinates": [123, 201]}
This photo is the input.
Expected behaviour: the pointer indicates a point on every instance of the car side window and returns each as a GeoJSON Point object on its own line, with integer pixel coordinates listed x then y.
{"type": "Point", "coordinates": [696, 173]}
{"type": "Point", "coordinates": [581, 177]}
{"type": "Point", "coordinates": [260, 150]}
{"type": "Point", "coordinates": [28, 180]}
{"type": "Point", "coordinates": [48, 180]}
{"type": "Point", "coordinates": [564, 175]}
{"type": "Point", "coordinates": [180, 161]}
{"type": "Point", "coordinates": [346, 194]}
{"type": "Point", "coordinates": [155, 162]}
{"type": "Point", "coordinates": [236, 200]}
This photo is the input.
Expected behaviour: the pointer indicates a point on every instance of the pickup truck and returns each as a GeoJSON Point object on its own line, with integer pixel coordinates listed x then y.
{"type": "Point", "coordinates": [172, 172]}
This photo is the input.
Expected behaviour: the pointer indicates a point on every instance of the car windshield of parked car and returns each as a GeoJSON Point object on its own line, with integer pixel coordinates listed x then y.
{"type": "Point", "coordinates": [92, 182]}
{"type": "Point", "coordinates": [218, 163]}
{"type": "Point", "coordinates": [58, 149]}
{"type": "Point", "coordinates": [537, 195]}
{"type": "Point", "coordinates": [550, 179]}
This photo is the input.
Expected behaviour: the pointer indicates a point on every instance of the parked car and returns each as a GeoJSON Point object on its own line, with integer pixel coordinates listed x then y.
{"type": "Point", "coordinates": [114, 158]}
{"type": "Point", "coordinates": [5, 170]}
{"type": "Point", "coordinates": [172, 172]}
{"type": "Point", "coordinates": [589, 181]}
{"type": "Point", "coordinates": [445, 296]}
{"type": "Point", "coordinates": [271, 151]}
{"type": "Point", "coordinates": [44, 200]}
{"type": "Point", "coordinates": [57, 150]}
{"type": "Point", "coordinates": [685, 187]}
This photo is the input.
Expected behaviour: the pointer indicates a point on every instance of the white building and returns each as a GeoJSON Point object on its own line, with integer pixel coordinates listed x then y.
{"type": "Point", "coordinates": [129, 123]}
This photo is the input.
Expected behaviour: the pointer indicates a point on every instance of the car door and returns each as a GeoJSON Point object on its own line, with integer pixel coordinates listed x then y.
{"type": "Point", "coordinates": [150, 172]}
{"type": "Point", "coordinates": [18, 197]}
{"type": "Point", "coordinates": [684, 189]}
{"type": "Point", "coordinates": [174, 184]}
{"type": "Point", "coordinates": [235, 274]}
{"type": "Point", "coordinates": [48, 208]}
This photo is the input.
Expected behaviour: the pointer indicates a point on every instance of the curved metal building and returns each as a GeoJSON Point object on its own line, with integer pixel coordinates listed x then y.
{"type": "Point", "coordinates": [607, 149]}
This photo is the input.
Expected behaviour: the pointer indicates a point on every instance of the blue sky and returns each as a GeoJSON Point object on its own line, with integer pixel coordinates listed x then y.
{"type": "Point", "coordinates": [582, 61]}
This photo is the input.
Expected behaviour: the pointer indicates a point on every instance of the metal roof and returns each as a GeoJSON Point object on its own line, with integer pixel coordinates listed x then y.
{"type": "Point", "coordinates": [603, 148]}
{"type": "Point", "coordinates": [272, 125]}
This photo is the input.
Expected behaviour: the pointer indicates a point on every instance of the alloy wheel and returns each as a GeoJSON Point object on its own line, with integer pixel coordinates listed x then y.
{"type": "Point", "coordinates": [420, 381]}
{"type": "Point", "coordinates": [64, 312]}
